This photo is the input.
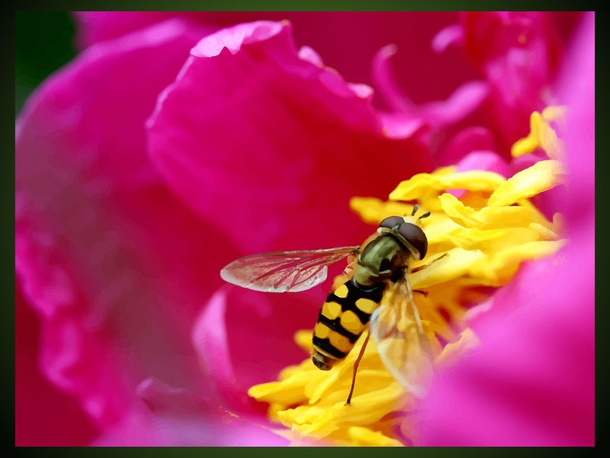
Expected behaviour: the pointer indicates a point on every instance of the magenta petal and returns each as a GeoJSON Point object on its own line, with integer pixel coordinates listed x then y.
{"type": "Point", "coordinates": [96, 26]}
{"type": "Point", "coordinates": [385, 82]}
{"type": "Point", "coordinates": [44, 416]}
{"type": "Point", "coordinates": [405, 125]}
{"type": "Point", "coordinates": [491, 35]}
{"type": "Point", "coordinates": [276, 144]}
{"type": "Point", "coordinates": [577, 91]}
{"type": "Point", "coordinates": [106, 254]}
{"type": "Point", "coordinates": [532, 380]}
{"type": "Point", "coordinates": [310, 55]}
{"type": "Point", "coordinates": [176, 417]}
{"type": "Point", "coordinates": [210, 339]}
{"type": "Point", "coordinates": [484, 160]}
{"type": "Point", "coordinates": [162, 399]}
{"type": "Point", "coordinates": [518, 54]}
{"type": "Point", "coordinates": [462, 102]}
{"type": "Point", "coordinates": [245, 338]}
{"type": "Point", "coordinates": [451, 35]}
{"type": "Point", "coordinates": [466, 141]}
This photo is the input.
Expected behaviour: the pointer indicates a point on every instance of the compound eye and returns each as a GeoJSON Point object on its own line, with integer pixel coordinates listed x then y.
{"type": "Point", "coordinates": [416, 237]}
{"type": "Point", "coordinates": [391, 222]}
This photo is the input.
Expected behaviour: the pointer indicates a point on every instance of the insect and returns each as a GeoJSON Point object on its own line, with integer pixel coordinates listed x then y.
{"type": "Point", "coordinates": [377, 294]}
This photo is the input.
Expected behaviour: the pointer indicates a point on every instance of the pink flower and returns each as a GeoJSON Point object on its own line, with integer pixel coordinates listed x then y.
{"type": "Point", "coordinates": [531, 382]}
{"type": "Point", "coordinates": [161, 153]}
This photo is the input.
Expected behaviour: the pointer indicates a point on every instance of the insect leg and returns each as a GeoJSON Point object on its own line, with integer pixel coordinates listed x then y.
{"type": "Point", "coordinates": [425, 266]}
{"type": "Point", "coordinates": [351, 391]}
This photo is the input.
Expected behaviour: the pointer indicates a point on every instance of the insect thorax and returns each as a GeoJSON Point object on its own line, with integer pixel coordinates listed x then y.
{"type": "Point", "coordinates": [383, 258]}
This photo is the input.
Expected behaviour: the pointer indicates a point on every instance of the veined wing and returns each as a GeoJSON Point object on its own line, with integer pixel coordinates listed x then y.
{"type": "Point", "coordinates": [283, 271]}
{"type": "Point", "coordinates": [401, 340]}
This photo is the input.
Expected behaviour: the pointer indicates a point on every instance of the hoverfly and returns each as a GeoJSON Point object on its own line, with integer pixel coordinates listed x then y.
{"type": "Point", "coordinates": [378, 292]}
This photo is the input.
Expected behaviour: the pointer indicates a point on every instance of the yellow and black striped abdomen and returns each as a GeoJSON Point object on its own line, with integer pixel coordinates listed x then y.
{"type": "Point", "coordinates": [343, 318]}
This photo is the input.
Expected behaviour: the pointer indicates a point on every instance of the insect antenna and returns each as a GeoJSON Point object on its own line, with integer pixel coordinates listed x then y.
{"type": "Point", "coordinates": [416, 209]}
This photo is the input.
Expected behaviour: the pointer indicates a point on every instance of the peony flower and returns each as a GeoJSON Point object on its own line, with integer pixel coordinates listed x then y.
{"type": "Point", "coordinates": [161, 153]}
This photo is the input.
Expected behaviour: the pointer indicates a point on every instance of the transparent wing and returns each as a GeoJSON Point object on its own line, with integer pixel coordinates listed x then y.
{"type": "Point", "coordinates": [283, 271]}
{"type": "Point", "coordinates": [401, 340]}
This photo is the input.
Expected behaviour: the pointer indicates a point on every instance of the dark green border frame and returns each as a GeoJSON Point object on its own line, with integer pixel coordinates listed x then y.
{"type": "Point", "coordinates": [8, 31]}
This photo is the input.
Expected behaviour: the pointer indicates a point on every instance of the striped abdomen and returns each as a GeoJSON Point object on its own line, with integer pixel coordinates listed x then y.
{"type": "Point", "coordinates": [343, 318]}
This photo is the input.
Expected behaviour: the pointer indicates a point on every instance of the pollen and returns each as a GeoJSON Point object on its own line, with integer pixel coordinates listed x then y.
{"type": "Point", "coordinates": [476, 244]}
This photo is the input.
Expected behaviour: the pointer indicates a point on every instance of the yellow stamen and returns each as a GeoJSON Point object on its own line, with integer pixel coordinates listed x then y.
{"type": "Point", "coordinates": [540, 177]}
{"type": "Point", "coordinates": [542, 135]}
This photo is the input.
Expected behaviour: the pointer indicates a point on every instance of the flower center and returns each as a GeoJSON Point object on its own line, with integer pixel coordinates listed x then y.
{"type": "Point", "coordinates": [483, 237]}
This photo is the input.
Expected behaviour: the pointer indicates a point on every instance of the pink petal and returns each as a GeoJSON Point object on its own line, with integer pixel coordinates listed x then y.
{"type": "Point", "coordinates": [527, 160]}
{"type": "Point", "coordinates": [44, 416]}
{"type": "Point", "coordinates": [348, 40]}
{"type": "Point", "coordinates": [461, 103]}
{"type": "Point", "coordinates": [493, 34]}
{"type": "Point", "coordinates": [451, 35]}
{"type": "Point", "coordinates": [276, 144]}
{"type": "Point", "coordinates": [464, 100]}
{"type": "Point", "coordinates": [518, 53]}
{"type": "Point", "coordinates": [464, 142]}
{"type": "Point", "coordinates": [310, 55]}
{"type": "Point", "coordinates": [577, 89]}
{"type": "Point", "coordinates": [175, 417]}
{"type": "Point", "coordinates": [386, 83]}
{"type": "Point", "coordinates": [96, 26]}
{"type": "Point", "coordinates": [244, 338]}
{"type": "Point", "coordinates": [484, 160]}
{"type": "Point", "coordinates": [406, 125]}
{"type": "Point", "coordinates": [211, 340]}
{"type": "Point", "coordinates": [111, 260]}
{"type": "Point", "coordinates": [337, 36]}
{"type": "Point", "coordinates": [532, 381]}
